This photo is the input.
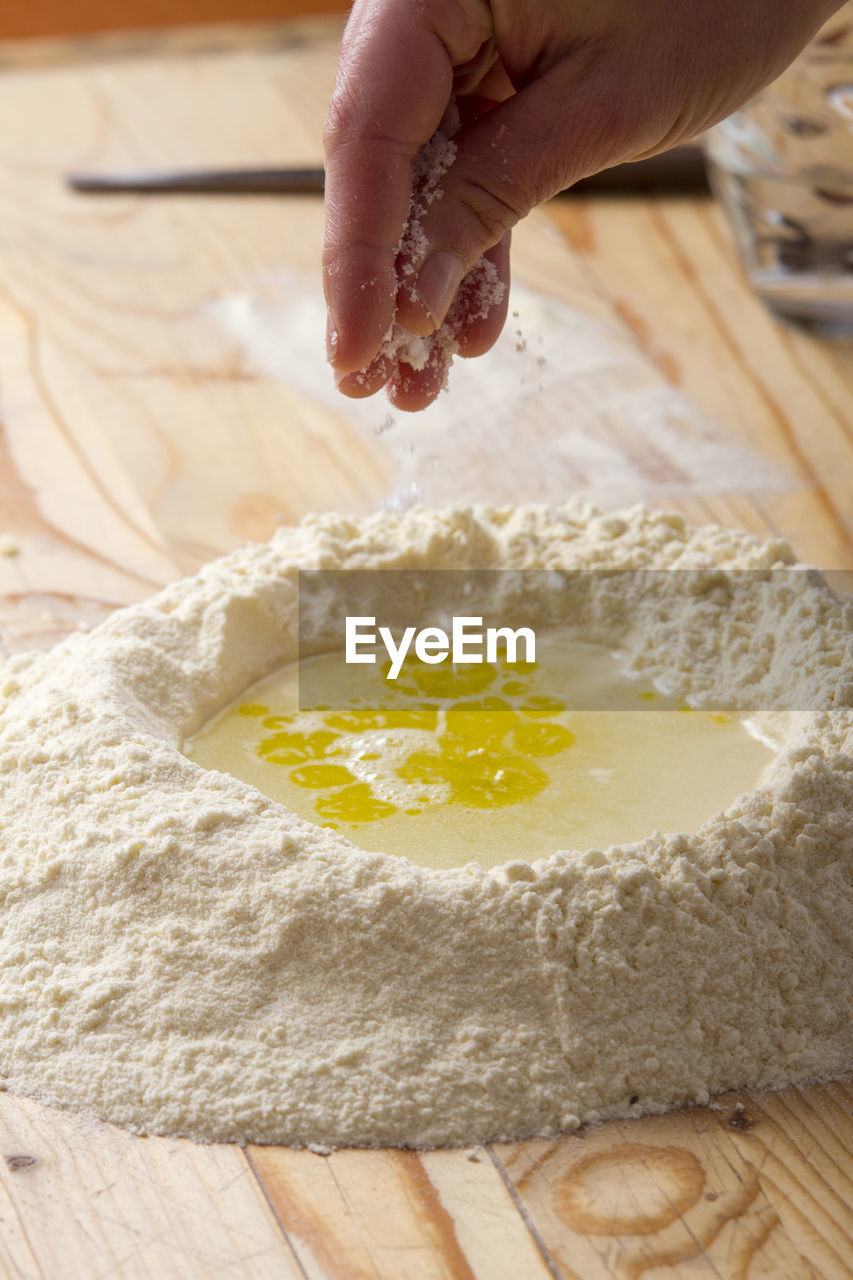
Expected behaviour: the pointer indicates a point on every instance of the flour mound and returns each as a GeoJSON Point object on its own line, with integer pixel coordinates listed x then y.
{"type": "Point", "coordinates": [180, 955]}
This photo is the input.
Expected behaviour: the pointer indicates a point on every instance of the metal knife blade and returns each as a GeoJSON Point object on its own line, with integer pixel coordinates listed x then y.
{"type": "Point", "coordinates": [680, 171]}
{"type": "Point", "coordinates": [200, 182]}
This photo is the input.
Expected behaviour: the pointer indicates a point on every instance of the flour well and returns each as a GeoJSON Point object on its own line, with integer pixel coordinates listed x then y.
{"type": "Point", "coordinates": [180, 954]}
{"type": "Point", "coordinates": [446, 767]}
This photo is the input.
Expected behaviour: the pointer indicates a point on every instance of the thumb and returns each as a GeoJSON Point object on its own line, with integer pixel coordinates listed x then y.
{"type": "Point", "coordinates": [577, 118]}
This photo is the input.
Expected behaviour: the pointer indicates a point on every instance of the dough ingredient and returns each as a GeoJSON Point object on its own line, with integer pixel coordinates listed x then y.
{"type": "Point", "coordinates": [180, 954]}
{"type": "Point", "coordinates": [448, 766]}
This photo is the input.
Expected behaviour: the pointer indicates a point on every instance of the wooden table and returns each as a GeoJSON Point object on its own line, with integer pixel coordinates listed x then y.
{"type": "Point", "coordinates": [155, 411]}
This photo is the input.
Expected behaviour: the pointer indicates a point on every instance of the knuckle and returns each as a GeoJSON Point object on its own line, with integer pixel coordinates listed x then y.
{"type": "Point", "coordinates": [490, 216]}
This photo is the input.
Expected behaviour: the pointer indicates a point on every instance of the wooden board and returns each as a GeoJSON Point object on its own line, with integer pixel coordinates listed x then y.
{"type": "Point", "coordinates": [153, 414]}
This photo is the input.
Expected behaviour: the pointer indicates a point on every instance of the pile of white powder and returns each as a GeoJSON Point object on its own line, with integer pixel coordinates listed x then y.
{"type": "Point", "coordinates": [181, 955]}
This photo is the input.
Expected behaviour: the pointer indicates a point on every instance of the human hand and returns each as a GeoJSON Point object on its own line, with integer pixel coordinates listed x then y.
{"type": "Point", "coordinates": [536, 94]}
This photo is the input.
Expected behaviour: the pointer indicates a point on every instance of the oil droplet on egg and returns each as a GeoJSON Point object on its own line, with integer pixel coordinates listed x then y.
{"type": "Point", "coordinates": [487, 762]}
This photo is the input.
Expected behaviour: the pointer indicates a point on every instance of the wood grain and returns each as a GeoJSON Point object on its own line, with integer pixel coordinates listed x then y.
{"type": "Point", "coordinates": [758, 1185]}
{"type": "Point", "coordinates": [451, 1215]}
{"type": "Point", "coordinates": [85, 1199]}
{"type": "Point", "coordinates": [139, 438]}
{"type": "Point", "coordinates": [669, 269]}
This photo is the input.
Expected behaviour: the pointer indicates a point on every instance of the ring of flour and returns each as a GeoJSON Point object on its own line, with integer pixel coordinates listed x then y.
{"type": "Point", "coordinates": [179, 954]}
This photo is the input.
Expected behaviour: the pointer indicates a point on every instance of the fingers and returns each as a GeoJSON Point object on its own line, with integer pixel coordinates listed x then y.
{"type": "Point", "coordinates": [395, 79]}
{"type": "Point", "coordinates": [594, 85]}
{"type": "Point", "coordinates": [394, 86]}
{"type": "Point", "coordinates": [367, 381]}
{"type": "Point", "coordinates": [571, 122]}
{"type": "Point", "coordinates": [472, 327]}
{"type": "Point", "coordinates": [478, 331]}
{"type": "Point", "coordinates": [412, 389]}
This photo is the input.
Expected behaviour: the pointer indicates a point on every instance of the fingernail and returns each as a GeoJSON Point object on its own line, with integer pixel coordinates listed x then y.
{"type": "Point", "coordinates": [439, 279]}
{"type": "Point", "coordinates": [331, 338]}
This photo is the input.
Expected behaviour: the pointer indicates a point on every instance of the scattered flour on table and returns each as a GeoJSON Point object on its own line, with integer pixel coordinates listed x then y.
{"type": "Point", "coordinates": [581, 397]}
{"type": "Point", "coordinates": [180, 955]}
